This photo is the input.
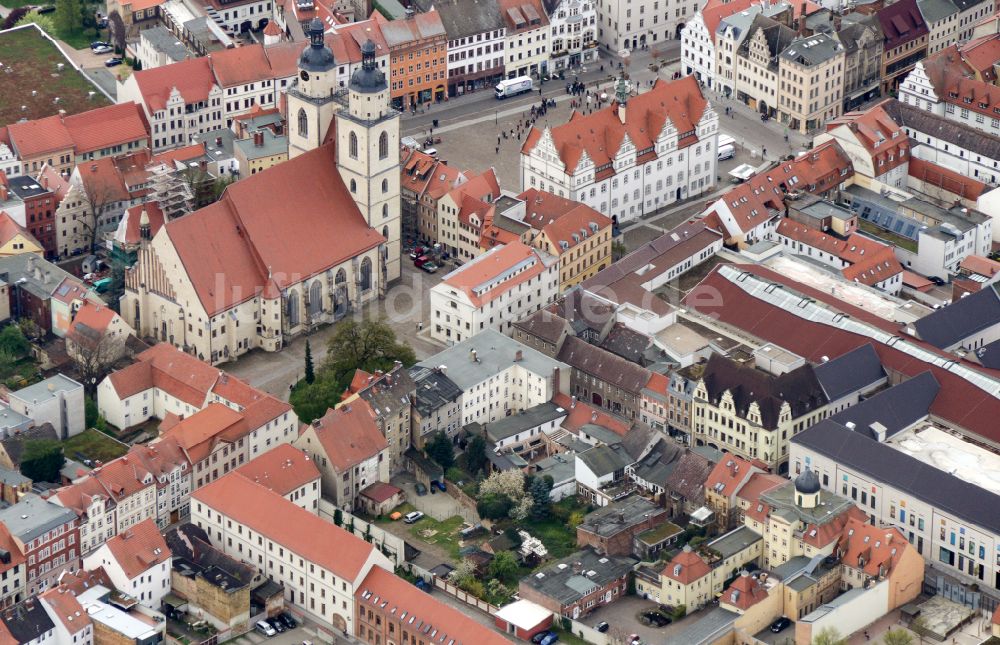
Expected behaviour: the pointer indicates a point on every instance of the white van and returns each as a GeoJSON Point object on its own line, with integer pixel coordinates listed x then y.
{"type": "Point", "coordinates": [265, 628]}
{"type": "Point", "coordinates": [726, 140]}
{"type": "Point", "coordinates": [727, 152]}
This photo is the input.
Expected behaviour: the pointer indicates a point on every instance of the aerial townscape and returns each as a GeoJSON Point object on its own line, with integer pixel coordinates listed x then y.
{"type": "Point", "coordinates": [705, 352]}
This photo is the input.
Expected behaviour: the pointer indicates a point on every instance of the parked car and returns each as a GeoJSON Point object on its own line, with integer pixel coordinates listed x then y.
{"type": "Point", "coordinates": [541, 636]}
{"type": "Point", "coordinates": [417, 252]}
{"type": "Point", "coordinates": [265, 628]}
{"type": "Point", "coordinates": [412, 517]}
{"type": "Point", "coordinates": [104, 49]}
{"type": "Point", "coordinates": [98, 43]}
{"type": "Point", "coordinates": [429, 267]}
{"type": "Point", "coordinates": [421, 261]}
{"type": "Point", "coordinates": [274, 622]}
{"type": "Point", "coordinates": [441, 486]}
{"type": "Point", "coordinates": [420, 488]}
{"type": "Point", "coordinates": [936, 280]}
{"type": "Point", "coordinates": [287, 620]}
{"type": "Point", "coordinates": [422, 585]}
{"type": "Point", "coordinates": [602, 626]}
{"type": "Point", "coordinates": [113, 62]}
{"type": "Point", "coordinates": [781, 624]}
{"type": "Point", "coordinates": [550, 639]}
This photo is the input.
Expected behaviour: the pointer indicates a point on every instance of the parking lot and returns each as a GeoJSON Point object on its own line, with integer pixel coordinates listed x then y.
{"type": "Point", "coordinates": [438, 505]}
{"type": "Point", "coordinates": [621, 617]}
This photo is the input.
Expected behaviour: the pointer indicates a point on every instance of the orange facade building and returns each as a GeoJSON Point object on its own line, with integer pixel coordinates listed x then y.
{"type": "Point", "coordinates": [418, 59]}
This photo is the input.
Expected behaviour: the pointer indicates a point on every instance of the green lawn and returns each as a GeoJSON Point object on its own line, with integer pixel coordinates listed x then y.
{"type": "Point", "coordinates": [557, 537]}
{"type": "Point", "coordinates": [93, 445]}
{"type": "Point", "coordinates": [443, 534]}
{"type": "Point", "coordinates": [32, 61]}
{"type": "Point", "coordinates": [568, 637]}
{"type": "Point", "coordinates": [888, 236]}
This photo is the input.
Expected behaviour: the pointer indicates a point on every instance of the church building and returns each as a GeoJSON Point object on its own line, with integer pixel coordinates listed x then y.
{"type": "Point", "coordinates": [297, 245]}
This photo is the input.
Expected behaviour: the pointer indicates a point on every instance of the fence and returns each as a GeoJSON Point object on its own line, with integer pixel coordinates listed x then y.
{"type": "Point", "coordinates": [585, 632]}
{"type": "Point", "coordinates": [393, 546]}
{"type": "Point", "coordinates": [465, 597]}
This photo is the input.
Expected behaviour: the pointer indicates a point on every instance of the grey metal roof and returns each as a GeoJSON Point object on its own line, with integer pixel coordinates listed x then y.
{"type": "Point", "coordinates": [710, 628]}
{"type": "Point", "coordinates": [953, 132]}
{"type": "Point", "coordinates": [952, 324]}
{"type": "Point", "coordinates": [560, 467]}
{"type": "Point", "coordinates": [47, 389]}
{"type": "Point", "coordinates": [896, 409]}
{"type": "Point", "coordinates": [163, 41]}
{"type": "Point", "coordinates": [604, 460]}
{"type": "Point", "coordinates": [434, 389]}
{"type": "Point", "coordinates": [462, 18]}
{"type": "Point", "coordinates": [735, 541]}
{"type": "Point", "coordinates": [34, 516]}
{"type": "Point", "coordinates": [573, 577]}
{"type": "Point", "coordinates": [883, 463]}
{"type": "Point", "coordinates": [854, 371]}
{"type": "Point", "coordinates": [522, 421]}
{"type": "Point", "coordinates": [30, 272]}
{"type": "Point", "coordinates": [812, 50]}
{"type": "Point", "coordinates": [936, 10]}
{"type": "Point", "coordinates": [495, 353]}
{"type": "Point", "coordinates": [272, 144]}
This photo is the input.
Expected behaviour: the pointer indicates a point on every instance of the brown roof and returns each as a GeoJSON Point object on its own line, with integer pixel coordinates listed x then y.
{"type": "Point", "coordinates": [491, 265]}
{"type": "Point", "coordinates": [744, 592]}
{"type": "Point", "coordinates": [599, 134]}
{"type": "Point", "coordinates": [349, 434]}
{"type": "Point", "coordinates": [686, 567]}
{"type": "Point", "coordinates": [604, 365]}
{"type": "Point", "coordinates": [727, 475]}
{"type": "Point", "coordinates": [901, 22]}
{"type": "Point", "coordinates": [946, 179]}
{"type": "Point", "coordinates": [139, 548]}
{"type": "Point", "coordinates": [67, 609]}
{"type": "Point", "coordinates": [293, 221]}
{"type": "Point", "coordinates": [544, 324]}
{"type": "Point", "coordinates": [687, 479]}
{"type": "Point", "coordinates": [380, 492]}
{"type": "Point", "coordinates": [283, 469]}
{"type": "Point", "coordinates": [192, 78]}
{"type": "Point", "coordinates": [198, 434]}
{"type": "Point", "coordinates": [304, 534]}
{"type": "Point", "coordinates": [980, 266]}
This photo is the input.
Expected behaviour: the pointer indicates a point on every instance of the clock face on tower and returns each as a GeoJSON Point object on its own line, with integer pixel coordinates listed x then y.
{"type": "Point", "coordinates": [304, 75]}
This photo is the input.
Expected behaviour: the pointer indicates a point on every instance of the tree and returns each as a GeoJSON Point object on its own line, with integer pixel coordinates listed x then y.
{"type": "Point", "coordinates": [310, 372]}
{"type": "Point", "coordinates": [44, 22]}
{"type": "Point", "coordinates": [475, 455]}
{"type": "Point", "coordinates": [541, 502]}
{"type": "Point", "coordinates": [369, 345]}
{"type": "Point", "coordinates": [30, 329]}
{"type": "Point", "coordinates": [13, 18]}
{"type": "Point", "coordinates": [897, 637]}
{"type": "Point", "coordinates": [90, 411]}
{"type": "Point", "coordinates": [42, 459]}
{"type": "Point", "coordinates": [97, 193]}
{"type": "Point", "coordinates": [117, 287]}
{"type": "Point", "coordinates": [439, 449]}
{"type": "Point", "coordinates": [338, 517]}
{"type": "Point", "coordinates": [507, 483]}
{"type": "Point", "coordinates": [311, 401]}
{"type": "Point", "coordinates": [13, 342]}
{"type": "Point", "coordinates": [618, 250]}
{"type": "Point", "coordinates": [68, 17]}
{"type": "Point", "coordinates": [94, 353]}
{"type": "Point", "coordinates": [504, 566]}
{"type": "Point", "coordinates": [829, 636]}
{"type": "Point", "coordinates": [116, 31]}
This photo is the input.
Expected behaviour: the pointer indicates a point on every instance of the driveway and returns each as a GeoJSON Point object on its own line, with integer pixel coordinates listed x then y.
{"type": "Point", "coordinates": [438, 505]}
{"type": "Point", "coordinates": [621, 615]}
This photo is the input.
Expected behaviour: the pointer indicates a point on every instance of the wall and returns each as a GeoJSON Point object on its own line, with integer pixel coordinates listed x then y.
{"type": "Point", "coordinates": [467, 598]}
{"type": "Point", "coordinates": [862, 609]}
{"type": "Point", "coordinates": [393, 546]}
{"type": "Point", "coordinates": [763, 613]}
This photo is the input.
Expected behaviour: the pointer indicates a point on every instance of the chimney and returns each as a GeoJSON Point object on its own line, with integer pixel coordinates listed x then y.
{"type": "Point", "coordinates": [555, 380]}
{"type": "Point", "coordinates": [518, 356]}
{"type": "Point", "coordinates": [836, 23]}
{"type": "Point", "coordinates": [572, 402]}
{"type": "Point", "coordinates": [258, 138]}
{"type": "Point", "coordinates": [218, 140]}
{"type": "Point", "coordinates": [577, 568]}
{"type": "Point", "coordinates": [802, 20]}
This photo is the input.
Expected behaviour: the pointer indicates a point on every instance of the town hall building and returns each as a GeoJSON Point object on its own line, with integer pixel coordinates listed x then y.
{"type": "Point", "coordinates": [297, 245]}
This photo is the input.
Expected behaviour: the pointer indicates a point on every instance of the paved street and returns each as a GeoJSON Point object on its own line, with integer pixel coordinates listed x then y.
{"type": "Point", "coordinates": [622, 615]}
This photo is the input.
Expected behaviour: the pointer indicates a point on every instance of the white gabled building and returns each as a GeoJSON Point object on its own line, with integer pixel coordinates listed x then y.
{"type": "Point", "coordinates": [137, 561]}
{"type": "Point", "coordinates": [665, 150]}
{"type": "Point", "coordinates": [501, 286]}
{"type": "Point", "coordinates": [573, 25]}
{"type": "Point", "coordinates": [698, 51]}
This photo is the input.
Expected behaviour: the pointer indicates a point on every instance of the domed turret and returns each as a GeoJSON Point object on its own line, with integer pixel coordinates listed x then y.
{"type": "Point", "coordinates": [317, 57]}
{"type": "Point", "coordinates": [807, 489]}
{"type": "Point", "coordinates": [369, 79]}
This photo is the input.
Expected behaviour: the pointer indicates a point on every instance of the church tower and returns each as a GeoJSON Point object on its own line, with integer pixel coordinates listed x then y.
{"type": "Point", "coordinates": [311, 101]}
{"type": "Point", "coordinates": [368, 154]}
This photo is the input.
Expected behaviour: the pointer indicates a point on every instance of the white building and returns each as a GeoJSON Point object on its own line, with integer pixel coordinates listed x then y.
{"type": "Point", "coordinates": [57, 400]}
{"type": "Point", "coordinates": [698, 51]}
{"type": "Point", "coordinates": [10, 165]}
{"type": "Point", "coordinates": [499, 376]}
{"type": "Point", "coordinates": [72, 624]}
{"type": "Point", "coordinates": [634, 24]}
{"type": "Point", "coordinates": [319, 565]}
{"type": "Point", "coordinates": [492, 291]}
{"type": "Point", "coordinates": [573, 25]}
{"type": "Point", "coordinates": [240, 16]}
{"type": "Point", "coordinates": [477, 36]}
{"type": "Point", "coordinates": [527, 38]}
{"type": "Point", "coordinates": [647, 171]}
{"type": "Point", "coordinates": [137, 561]}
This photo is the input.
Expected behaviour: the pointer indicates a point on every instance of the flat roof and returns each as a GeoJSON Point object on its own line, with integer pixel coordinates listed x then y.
{"type": "Point", "coordinates": [507, 427]}
{"type": "Point", "coordinates": [47, 389]}
{"type": "Point", "coordinates": [112, 617]}
{"type": "Point", "coordinates": [939, 448]}
{"type": "Point", "coordinates": [735, 541]}
{"type": "Point", "coordinates": [524, 614]}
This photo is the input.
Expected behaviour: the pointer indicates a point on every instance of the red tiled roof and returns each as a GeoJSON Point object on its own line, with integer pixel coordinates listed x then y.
{"type": "Point", "coordinates": [446, 623]}
{"type": "Point", "coordinates": [94, 316]}
{"type": "Point", "coordinates": [883, 139]}
{"type": "Point", "coordinates": [192, 78]}
{"type": "Point", "coordinates": [957, 401]}
{"type": "Point", "coordinates": [581, 414]}
{"type": "Point", "coordinates": [8, 543]}
{"type": "Point", "coordinates": [380, 492]}
{"type": "Point", "coordinates": [67, 609]}
{"type": "Point", "coordinates": [252, 63]}
{"type": "Point", "coordinates": [599, 134]}
{"type": "Point", "coordinates": [139, 548]}
{"type": "Point", "coordinates": [349, 434]}
{"type": "Point", "coordinates": [293, 220]}
{"type": "Point", "coordinates": [560, 218]}
{"type": "Point", "coordinates": [880, 548]}
{"type": "Point", "coordinates": [53, 181]}
{"type": "Point", "coordinates": [491, 265]}
{"type": "Point", "coordinates": [9, 229]}
{"type": "Point", "coordinates": [980, 266]}
{"type": "Point", "coordinates": [306, 535]}
{"type": "Point", "coordinates": [744, 592]}
{"type": "Point", "coordinates": [759, 482]}
{"type": "Point", "coordinates": [946, 179]}
{"type": "Point", "coordinates": [686, 567]}
{"type": "Point", "coordinates": [32, 138]}
{"type": "Point", "coordinates": [201, 432]}
{"type": "Point", "coordinates": [283, 469]}
{"type": "Point", "coordinates": [133, 216]}
{"type": "Point", "coordinates": [727, 475]}
{"type": "Point", "coordinates": [869, 261]}
{"type": "Point", "coordinates": [106, 127]}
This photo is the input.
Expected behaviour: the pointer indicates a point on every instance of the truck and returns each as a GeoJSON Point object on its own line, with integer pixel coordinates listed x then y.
{"type": "Point", "coordinates": [513, 86]}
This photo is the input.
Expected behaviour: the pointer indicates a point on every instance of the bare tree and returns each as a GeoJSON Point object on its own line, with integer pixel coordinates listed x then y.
{"type": "Point", "coordinates": [97, 194]}
{"type": "Point", "coordinates": [116, 31]}
{"type": "Point", "coordinates": [94, 353]}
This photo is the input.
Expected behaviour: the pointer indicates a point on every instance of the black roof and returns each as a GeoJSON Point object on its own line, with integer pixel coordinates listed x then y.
{"type": "Point", "coordinates": [434, 389]}
{"type": "Point", "coordinates": [854, 371]}
{"type": "Point", "coordinates": [952, 324]}
{"type": "Point", "coordinates": [27, 621]}
{"type": "Point", "coordinates": [989, 355]}
{"type": "Point", "coordinates": [883, 463]}
{"type": "Point", "coordinates": [626, 342]}
{"type": "Point", "coordinates": [897, 408]}
{"type": "Point", "coordinates": [807, 482]}
{"type": "Point", "coordinates": [369, 78]}
{"type": "Point", "coordinates": [317, 57]}
{"type": "Point", "coordinates": [799, 387]}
